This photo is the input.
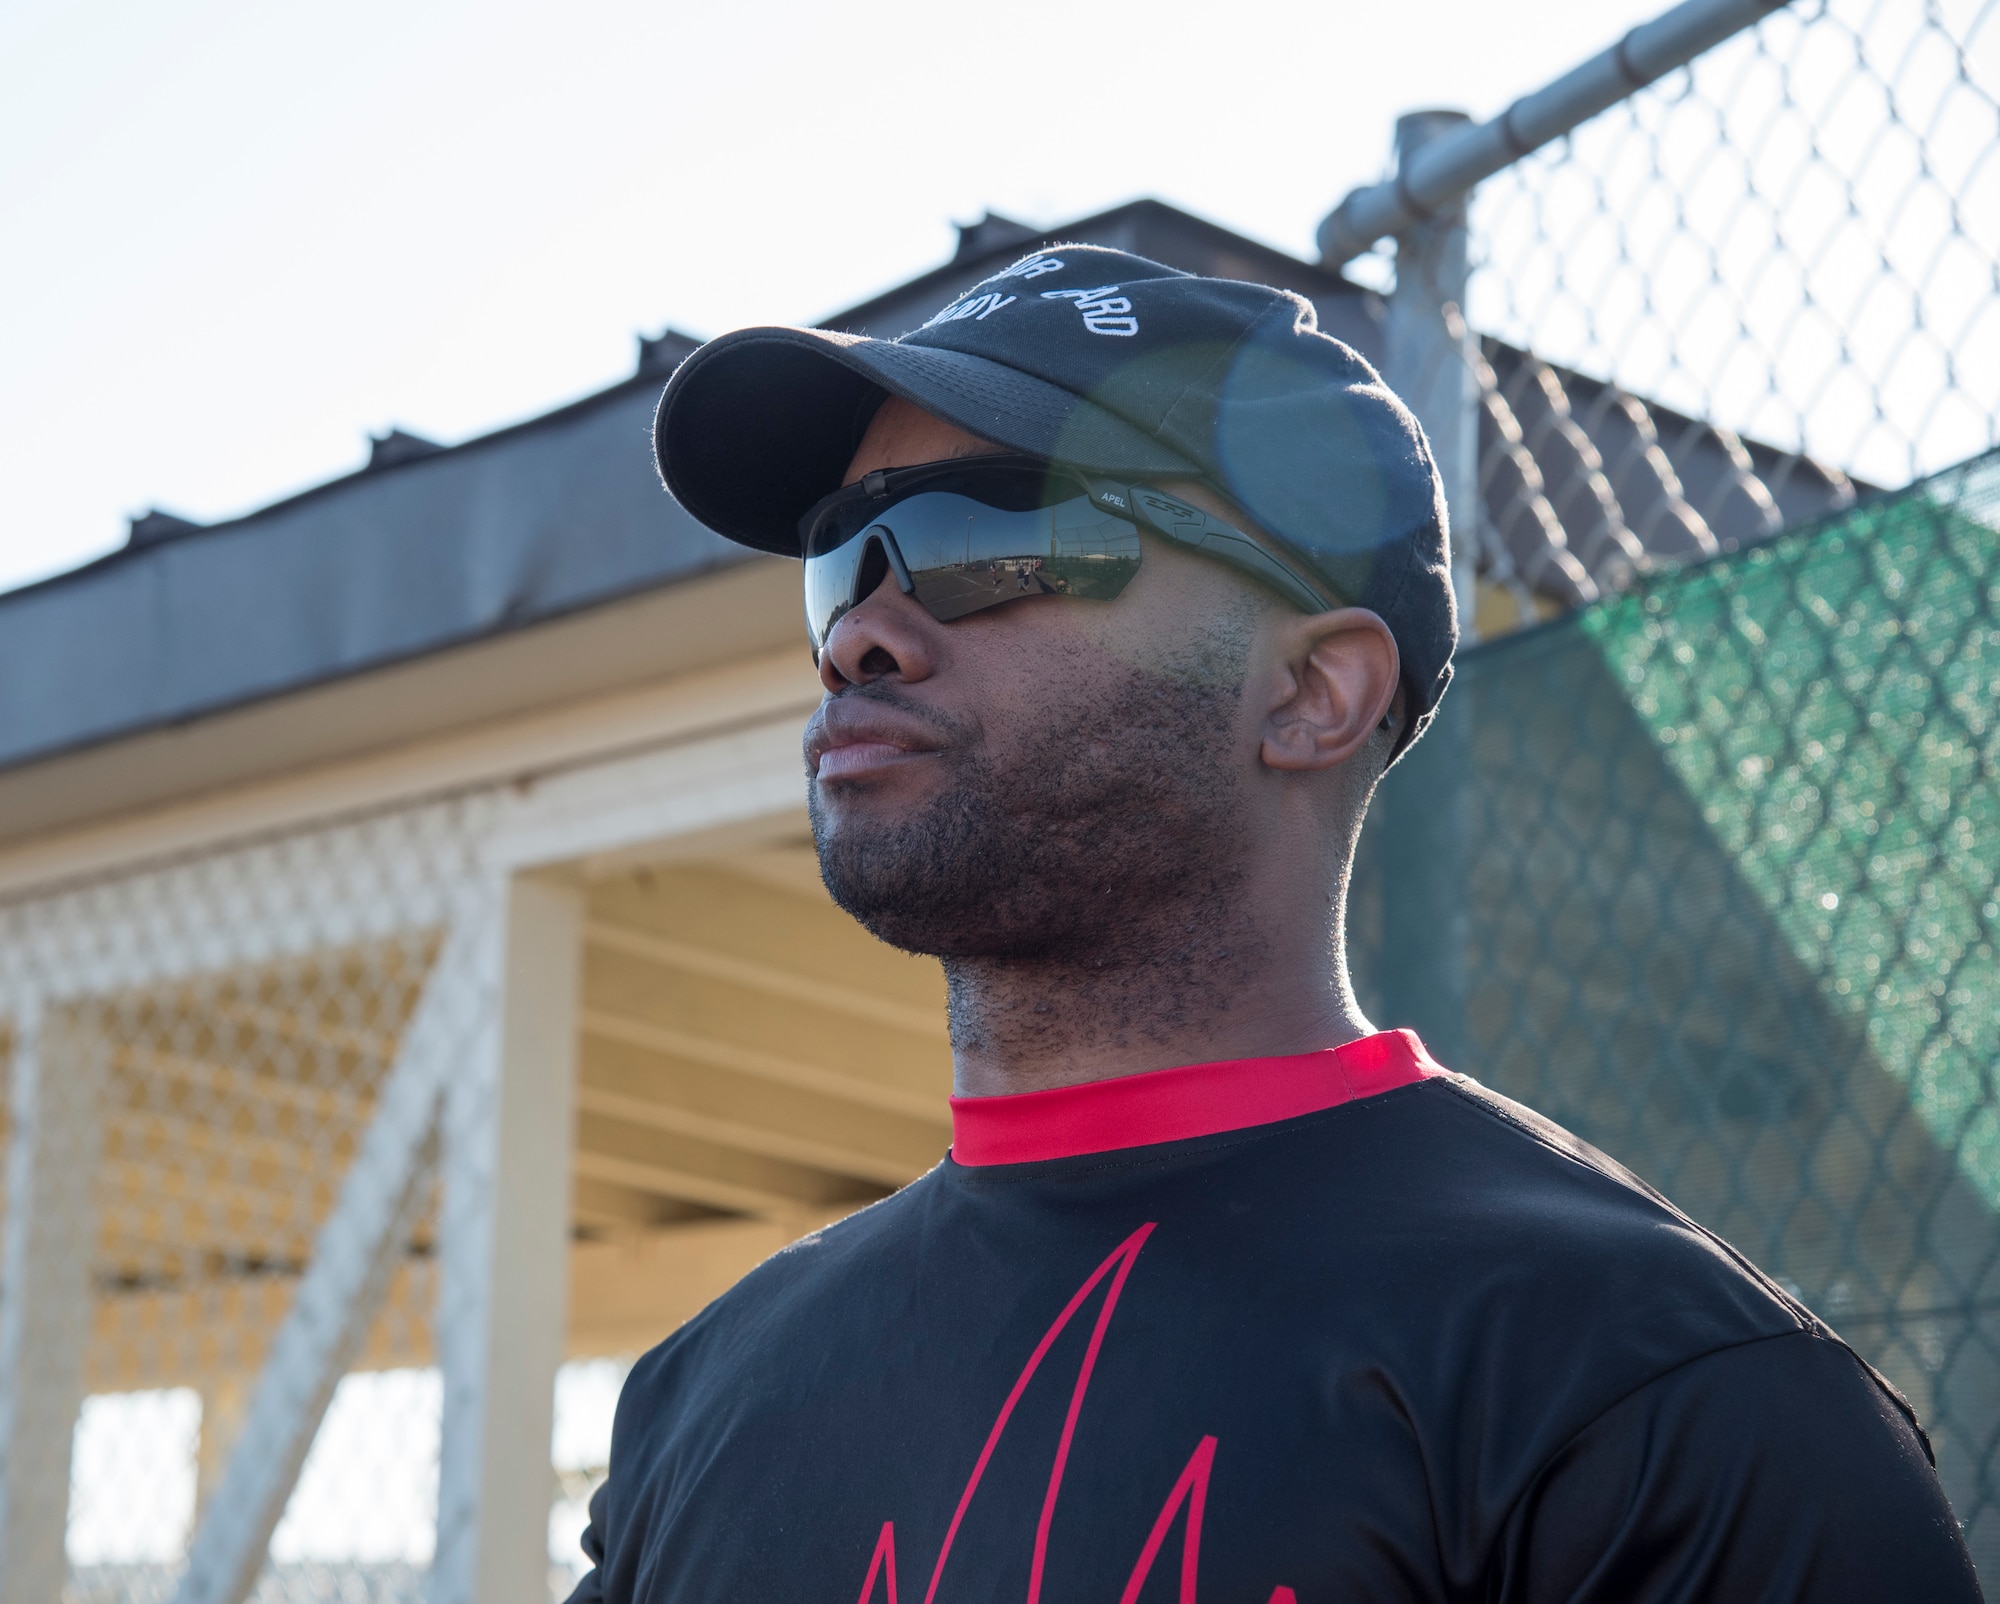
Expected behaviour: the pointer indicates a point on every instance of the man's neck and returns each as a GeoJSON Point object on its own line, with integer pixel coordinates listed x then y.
{"type": "Point", "coordinates": [1179, 994]}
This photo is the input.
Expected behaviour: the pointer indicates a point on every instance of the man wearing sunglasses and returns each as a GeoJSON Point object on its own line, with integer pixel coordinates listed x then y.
{"type": "Point", "coordinates": [1125, 586]}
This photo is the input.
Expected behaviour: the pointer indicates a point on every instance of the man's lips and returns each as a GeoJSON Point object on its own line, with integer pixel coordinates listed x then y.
{"type": "Point", "coordinates": [847, 741]}
{"type": "Point", "coordinates": [860, 757]}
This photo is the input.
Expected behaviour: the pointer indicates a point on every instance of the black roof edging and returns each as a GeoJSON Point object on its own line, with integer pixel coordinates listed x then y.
{"type": "Point", "coordinates": [298, 498]}
{"type": "Point", "coordinates": [394, 660]}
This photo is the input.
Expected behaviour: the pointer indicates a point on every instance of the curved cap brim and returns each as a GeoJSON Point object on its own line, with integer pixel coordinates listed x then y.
{"type": "Point", "coordinates": [758, 425]}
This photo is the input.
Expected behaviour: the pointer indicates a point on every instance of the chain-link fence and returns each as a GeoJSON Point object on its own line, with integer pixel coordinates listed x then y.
{"type": "Point", "coordinates": [250, 1219]}
{"type": "Point", "coordinates": [1741, 297]}
{"type": "Point", "coordinates": [198, 1050]}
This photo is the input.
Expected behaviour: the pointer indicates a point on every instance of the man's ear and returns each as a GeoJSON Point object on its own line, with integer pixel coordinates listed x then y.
{"type": "Point", "coordinates": [1334, 682]}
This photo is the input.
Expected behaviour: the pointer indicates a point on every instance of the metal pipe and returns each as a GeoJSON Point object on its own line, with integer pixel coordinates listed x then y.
{"type": "Point", "coordinates": [1427, 363]}
{"type": "Point", "coordinates": [1444, 171]}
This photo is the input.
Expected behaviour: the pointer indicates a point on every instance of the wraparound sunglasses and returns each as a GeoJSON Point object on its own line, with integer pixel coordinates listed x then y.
{"type": "Point", "coordinates": [967, 535]}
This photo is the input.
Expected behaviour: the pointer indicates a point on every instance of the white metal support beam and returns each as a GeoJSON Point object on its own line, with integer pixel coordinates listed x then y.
{"type": "Point", "coordinates": [53, 1146]}
{"type": "Point", "coordinates": [503, 1241]}
{"type": "Point", "coordinates": [352, 1260]}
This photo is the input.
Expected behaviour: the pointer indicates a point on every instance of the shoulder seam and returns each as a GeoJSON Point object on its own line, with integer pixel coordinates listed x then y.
{"type": "Point", "coordinates": [1821, 1334]}
{"type": "Point", "coordinates": [1807, 1322]}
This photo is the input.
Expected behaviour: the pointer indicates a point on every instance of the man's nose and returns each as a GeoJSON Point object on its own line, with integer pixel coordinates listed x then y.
{"type": "Point", "coordinates": [885, 635]}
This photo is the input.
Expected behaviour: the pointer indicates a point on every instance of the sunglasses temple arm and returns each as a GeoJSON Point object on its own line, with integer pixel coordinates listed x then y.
{"type": "Point", "coordinates": [1196, 530]}
{"type": "Point", "coordinates": [1223, 542]}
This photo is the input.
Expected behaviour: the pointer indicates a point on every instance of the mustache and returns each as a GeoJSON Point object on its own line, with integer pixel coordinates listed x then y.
{"type": "Point", "coordinates": [950, 731]}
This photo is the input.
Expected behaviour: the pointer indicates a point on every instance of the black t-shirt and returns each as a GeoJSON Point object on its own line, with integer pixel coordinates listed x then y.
{"type": "Point", "coordinates": [1338, 1328]}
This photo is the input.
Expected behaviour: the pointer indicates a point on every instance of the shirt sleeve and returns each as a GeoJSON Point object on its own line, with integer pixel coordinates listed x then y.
{"type": "Point", "coordinates": [591, 1589]}
{"type": "Point", "coordinates": [1782, 1471]}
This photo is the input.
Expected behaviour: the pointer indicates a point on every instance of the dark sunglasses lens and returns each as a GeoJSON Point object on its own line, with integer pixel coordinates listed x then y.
{"type": "Point", "coordinates": [831, 587]}
{"type": "Point", "coordinates": [964, 554]}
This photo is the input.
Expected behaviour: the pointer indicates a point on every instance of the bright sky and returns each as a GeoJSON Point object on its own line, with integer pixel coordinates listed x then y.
{"type": "Point", "coordinates": [240, 236]}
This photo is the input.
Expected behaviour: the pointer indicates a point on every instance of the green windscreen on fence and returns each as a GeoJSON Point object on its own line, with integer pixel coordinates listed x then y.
{"type": "Point", "coordinates": [1707, 873]}
{"type": "Point", "coordinates": [1831, 700]}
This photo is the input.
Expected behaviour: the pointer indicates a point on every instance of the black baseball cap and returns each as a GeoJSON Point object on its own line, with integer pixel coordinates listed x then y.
{"type": "Point", "coordinates": [1105, 361]}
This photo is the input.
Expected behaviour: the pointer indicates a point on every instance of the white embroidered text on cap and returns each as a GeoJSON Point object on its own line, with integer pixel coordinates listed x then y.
{"type": "Point", "coordinates": [1100, 308]}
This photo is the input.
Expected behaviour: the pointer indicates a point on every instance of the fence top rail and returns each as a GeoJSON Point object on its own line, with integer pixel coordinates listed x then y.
{"type": "Point", "coordinates": [1441, 173]}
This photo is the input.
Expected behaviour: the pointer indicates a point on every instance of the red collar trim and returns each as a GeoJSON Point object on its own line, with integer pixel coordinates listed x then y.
{"type": "Point", "coordinates": [1171, 1105]}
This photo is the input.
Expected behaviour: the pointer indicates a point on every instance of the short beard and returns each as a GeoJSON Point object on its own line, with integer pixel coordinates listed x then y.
{"type": "Point", "coordinates": [1102, 857]}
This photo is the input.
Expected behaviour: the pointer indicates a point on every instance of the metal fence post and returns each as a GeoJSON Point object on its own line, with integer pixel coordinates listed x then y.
{"type": "Point", "coordinates": [1428, 364]}
{"type": "Point", "coordinates": [504, 1246]}
{"type": "Point", "coordinates": [1421, 816]}
{"type": "Point", "coordinates": [53, 1151]}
